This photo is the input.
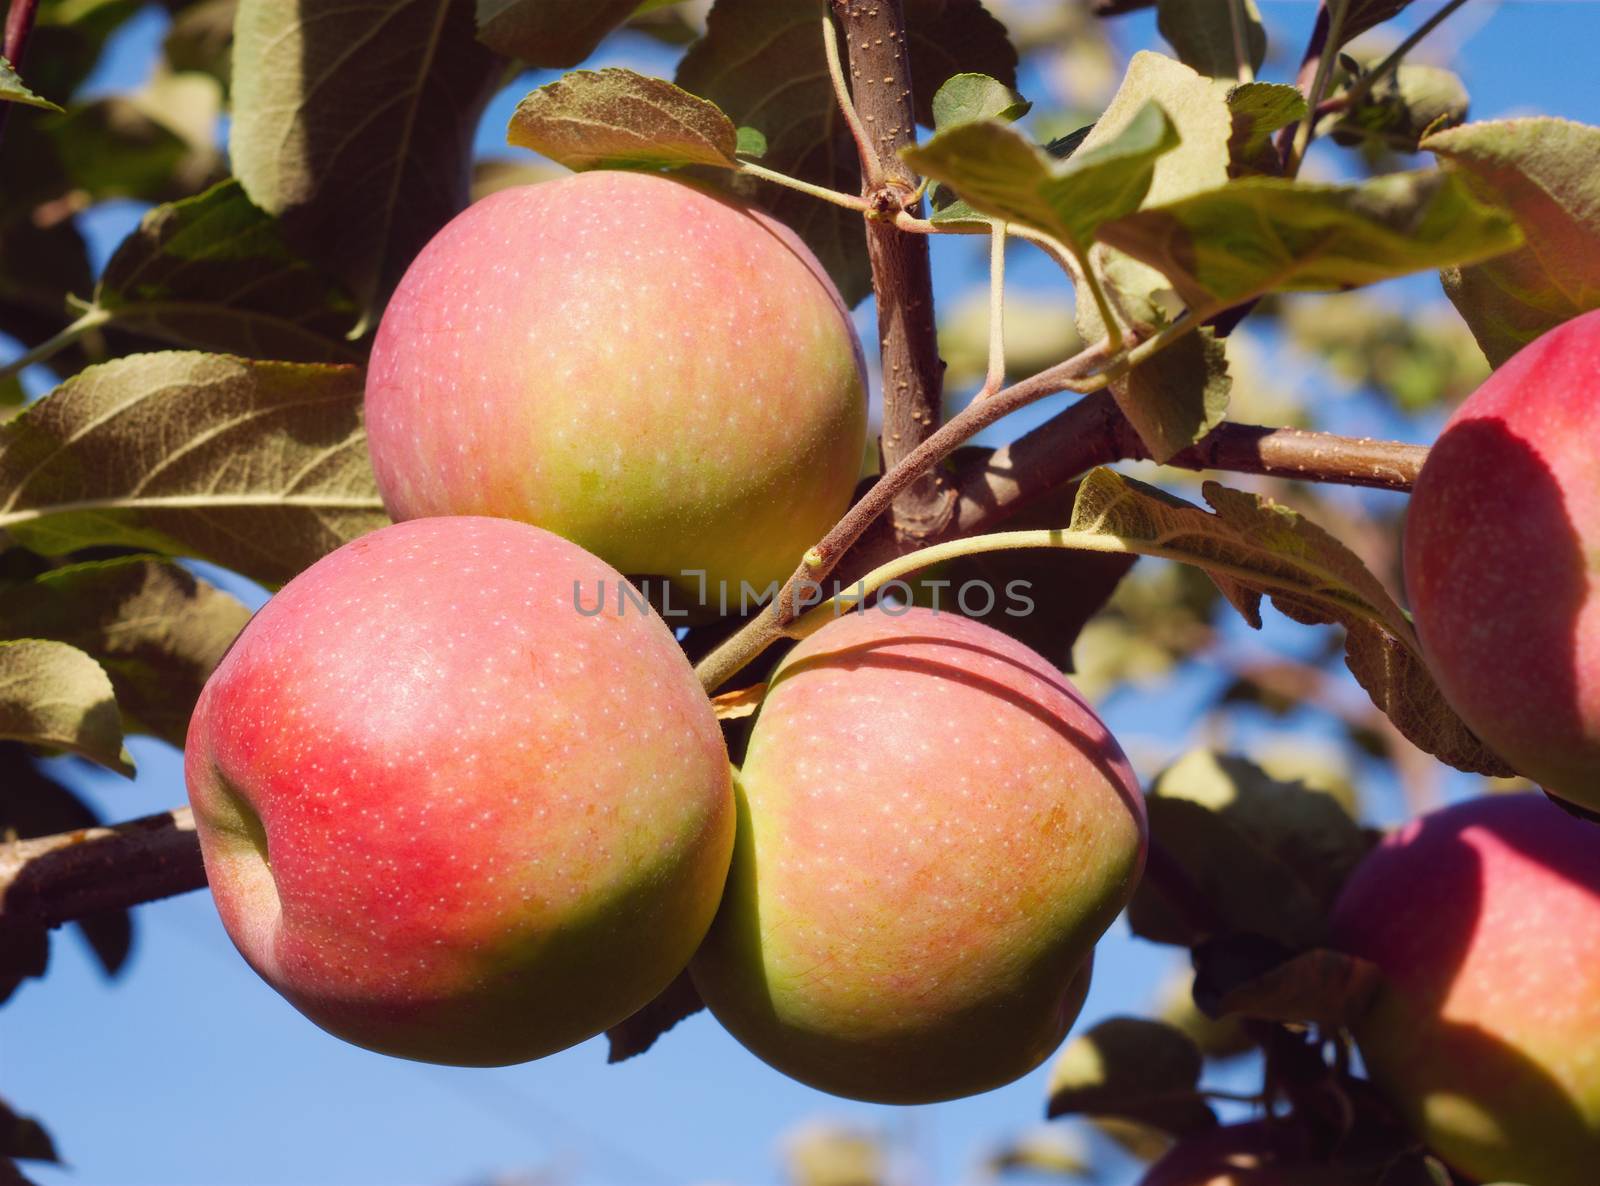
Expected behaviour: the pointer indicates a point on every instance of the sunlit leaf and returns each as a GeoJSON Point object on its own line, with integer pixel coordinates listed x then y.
{"type": "Point", "coordinates": [55, 696]}
{"type": "Point", "coordinates": [1258, 109]}
{"type": "Point", "coordinates": [1135, 1069]}
{"type": "Point", "coordinates": [968, 98]}
{"type": "Point", "coordinates": [12, 89]}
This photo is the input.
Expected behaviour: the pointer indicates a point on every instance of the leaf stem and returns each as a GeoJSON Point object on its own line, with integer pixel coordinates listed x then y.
{"type": "Point", "coordinates": [848, 201]}
{"type": "Point", "coordinates": [996, 376]}
{"type": "Point", "coordinates": [871, 169]}
{"type": "Point", "coordinates": [1239, 19]}
{"type": "Point", "coordinates": [1363, 86]}
{"type": "Point", "coordinates": [91, 320]}
{"type": "Point", "coordinates": [1101, 303]}
{"type": "Point", "coordinates": [1326, 58]}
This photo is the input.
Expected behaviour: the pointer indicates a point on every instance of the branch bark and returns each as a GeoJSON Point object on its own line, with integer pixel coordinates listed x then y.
{"type": "Point", "coordinates": [54, 879]}
{"type": "Point", "coordinates": [879, 69]}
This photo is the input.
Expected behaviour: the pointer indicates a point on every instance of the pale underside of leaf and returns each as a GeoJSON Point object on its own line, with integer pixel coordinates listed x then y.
{"type": "Point", "coordinates": [53, 695]}
{"type": "Point", "coordinates": [258, 466]}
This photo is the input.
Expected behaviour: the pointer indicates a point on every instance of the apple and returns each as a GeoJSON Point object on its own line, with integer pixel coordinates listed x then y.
{"type": "Point", "coordinates": [1485, 921]}
{"type": "Point", "coordinates": [934, 830]}
{"type": "Point", "coordinates": [1502, 560]}
{"type": "Point", "coordinates": [661, 375]}
{"type": "Point", "coordinates": [446, 814]}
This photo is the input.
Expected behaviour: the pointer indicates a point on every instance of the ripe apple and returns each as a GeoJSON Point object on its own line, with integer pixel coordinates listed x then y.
{"type": "Point", "coordinates": [1502, 560]}
{"type": "Point", "coordinates": [661, 375]}
{"type": "Point", "coordinates": [934, 830]}
{"type": "Point", "coordinates": [1485, 921]}
{"type": "Point", "coordinates": [449, 816]}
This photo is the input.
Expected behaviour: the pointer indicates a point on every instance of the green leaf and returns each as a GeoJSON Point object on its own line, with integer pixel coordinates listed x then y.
{"type": "Point", "coordinates": [354, 125]}
{"type": "Point", "coordinates": [55, 696]}
{"type": "Point", "coordinates": [1252, 547]}
{"type": "Point", "coordinates": [1316, 987]}
{"type": "Point", "coordinates": [969, 98]}
{"type": "Point", "coordinates": [1048, 1151]}
{"type": "Point", "coordinates": [259, 466]}
{"type": "Point", "coordinates": [1403, 106]}
{"type": "Point", "coordinates": [1004, 175]}
{"type": "Point", "coordinates": [1134, 1069]}
{"type": "Point", "coordinates": [1548, 172]}
{"type": "Point", "coordinates": [1223, 246]}
{"type": "Point", "coordinates": [550, 33]}
{"type": "Point", "coordinates": [1361, 15]}
{"type": "Point", "coordinates": [1178, 396]}
{"type": "Point", "coordinates": [761, 62]}
{"type": "Point", "coordinates": [13, 91]}
{"type": "Point", "coordinates": [1258, 109]}
{"type": "Point", "coordinates": [1252, 853]}
{"type": "Point", "coordinates": [616, 119]}
{"type": "Point", "coordinates": [156, 629]}
{"type": "Point", "coordinates": [213, 272]}
{"type": "Point", "coordinates": [1201, 31]}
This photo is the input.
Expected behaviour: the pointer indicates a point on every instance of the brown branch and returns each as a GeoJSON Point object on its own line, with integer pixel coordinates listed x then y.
{"type": "Point", "coordinates": [913, 374]}
{"type": "Point", "coordinates": [54, 879]}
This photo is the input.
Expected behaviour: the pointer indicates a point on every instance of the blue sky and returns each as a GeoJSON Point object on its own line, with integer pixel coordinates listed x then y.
{"type": "Point", "coordinates": [190, 1070]}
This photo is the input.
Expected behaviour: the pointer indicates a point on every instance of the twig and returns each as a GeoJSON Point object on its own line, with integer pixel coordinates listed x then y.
{"type": "Point", "coordinates": [902, 279]}
{"type": "Point", "coordinates": [1371, 78]}
{"type": "Point", "coordinates": [53, 879]}
{"type": "Point", "coordinates": [1239, 19]}
{"type": "Point", "coordinates": [1330, 26]}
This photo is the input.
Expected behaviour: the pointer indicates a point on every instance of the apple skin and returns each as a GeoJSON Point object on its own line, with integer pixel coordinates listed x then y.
{"type": "Point", "coordinates": [934, 830]}
{"type": "Point", "coordinates": [1502, 560]}
{"type": "Point", "coordinates": [446, 815]}
{"type": "Point", "coordinates": [663, 376]}
{"type": "Point", "coordinates": [1485, 921]}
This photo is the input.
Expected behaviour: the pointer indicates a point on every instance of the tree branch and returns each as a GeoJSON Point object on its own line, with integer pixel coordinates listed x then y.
{"type": "Point", "coordinates": [54, 879]}
{"type": "Point", "coordinates": [913, 373]}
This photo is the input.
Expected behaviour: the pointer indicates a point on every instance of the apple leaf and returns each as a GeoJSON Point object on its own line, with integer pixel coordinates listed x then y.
{"type": "Point", "coordinates": [1548, 172]}
{"type": "Point", "coordinates": [53, 695]}
{"type": "Point", "coordinates": [969, 98]}
{"type": "Point", "coordinates": [1319, 986]}
{"type": "Point", "coordinates": [616, 119]}
{"type": "Point", "coordinates": [550, 33]}
{"type": "Point", "coordinates": [1252, 547]}
{"type": "Point", "coordinates": [260, 466]}
{"type": "Point", "coordinates": [12, 89]}
{"type": "Point", "coordinates": [638, 1033]}
{"type": "Point", "coordinates": [379, 99]}
{"type": "Point", "coordinates": [1255, 235]}
{"type": "Point", "coordinates": [1244, 852]}
{"type": "Point", "coordinates": [1258, 109]}
{"type": "Point", "coordinates": [1001, 173]}
{"type": "Point", "coordinates": [24, 1137]}
{"type": "Point", "coordinates": [761, 62]}
{"type": "Point", "coordinates": [1047, 1152]}
{"type": "Point", "coordinates": [156, 629]}
{"type": "Point", "coordinates": [1201, 31]}
{"type": "Point", "coordinates": [1134, 1069]}
{"type": "Point", "coordinates": [212, 272]}
{"type": "Point", "coordinates": [1403, 107]}
{"type": "Point", "coordinates": [1361, 15]}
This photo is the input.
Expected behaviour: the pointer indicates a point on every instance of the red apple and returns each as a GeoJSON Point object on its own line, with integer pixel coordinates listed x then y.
{"type": "Point", "coordinates": [934, 831]}
{"type": "Point", "coordinates": [1485, 921]}
{"type": "Point", "coordinates": [663, 376]}
{"type": "Point", "coordinates": [448, 815]}
{"type": "Point", "coordinates": [1502, 560]}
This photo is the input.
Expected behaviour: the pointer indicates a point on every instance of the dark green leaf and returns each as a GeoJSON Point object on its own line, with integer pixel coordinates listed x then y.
{"type": "Point", "coordinates": [212, 272]}
{"type": "Point", "coordinates": [1134, 1069]}
{"type": "Point", "coordinates": [156, 629]}
{"type": "Point", "coordinates": [1202, 33]}
{"type": "Point", "coordinates": [353, 123]}
{"type": "Point", "coordinates": [55, 696]}
{"type": "Point", "coordinates": [1548, 172]}
{"type": "Point", "coordinates": [1403, 106]}
{"type": "Point", "coordinates": [1256, 235]}
{"type": "Point", "coordinates": [1316, 987]}
{"type": "Point", "coordinates": [550, 33]}
{"type": "Point", "coordinates": [24, 1137]}
{"type": "Point", "coordinates": [201, 38]}
{"type": "Point", "coordinates": [616, 119]}
{"type": "Point", "coordinates": [1259, 109]}
{"type": "Point", "coordinates": [968, 98]}
{"type": "Point", "coordinates": [1004, 175]}
{"type": "Point", "coordinates": [260, 466]}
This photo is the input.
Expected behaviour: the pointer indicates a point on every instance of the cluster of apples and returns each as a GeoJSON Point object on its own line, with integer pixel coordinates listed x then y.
{"type": "Point", "coordinates": [462, 801]}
